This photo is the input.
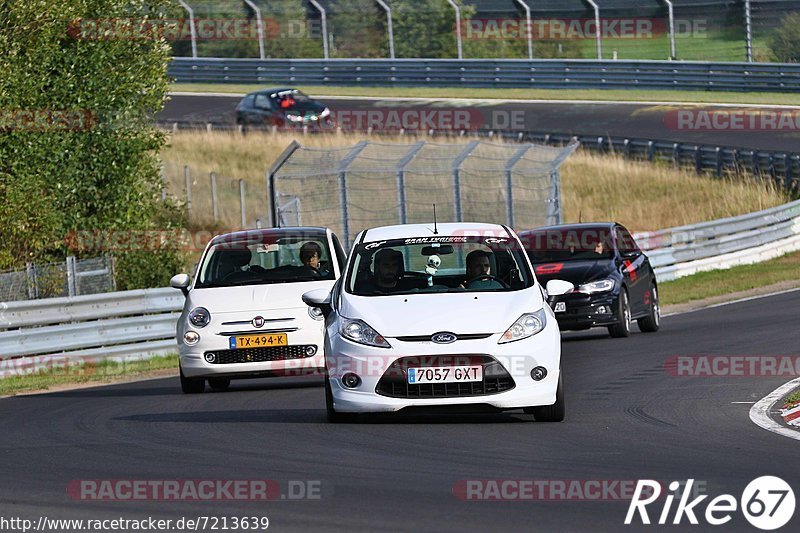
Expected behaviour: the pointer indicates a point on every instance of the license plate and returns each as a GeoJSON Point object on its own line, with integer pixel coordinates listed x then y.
{"type": "Point", "coordinates": [259, 341]}
{"type": "Point", "coordinates": [445, 374]}
{"type": "Point", "coordinates": [561, 307]}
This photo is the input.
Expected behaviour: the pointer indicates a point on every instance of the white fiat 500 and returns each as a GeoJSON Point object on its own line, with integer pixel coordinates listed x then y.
{"type": "Point", "coordinates": [440, 316]}
{"type": "Point", "coordinates": [244, 316]}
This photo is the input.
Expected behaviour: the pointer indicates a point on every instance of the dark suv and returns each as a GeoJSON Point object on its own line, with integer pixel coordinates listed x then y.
{"type": "Point", "coordinates": [281, 107]}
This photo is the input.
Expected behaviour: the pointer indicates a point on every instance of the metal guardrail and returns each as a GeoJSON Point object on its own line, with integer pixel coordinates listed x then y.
{"type": "Point", "coordinates": [723, 243]}
{"type": "Point", "coordinates": [497, 73]}
{"type": "Point", "coordinates": [120, 324]}
{"type": "Point", "coordinates": [142, 323]}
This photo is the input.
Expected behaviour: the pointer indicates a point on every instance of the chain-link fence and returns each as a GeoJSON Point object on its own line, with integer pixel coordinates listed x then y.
{"type": "Point", "coordinates": [705, 30]}
{"type": "Point", "coordinates": [70, 278]}
{"type": "Point", "coordinates": [374, 184]}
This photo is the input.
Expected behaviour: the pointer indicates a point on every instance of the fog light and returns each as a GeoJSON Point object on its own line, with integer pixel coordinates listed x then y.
{"type": "Point", "coordinates": [311, 350]}
{"type": "Point", "coordinates": [602, 309]}
{"type": "Point", "coordinates": [210, 357]}
{"type": "Point", "coordinates": [539, 373]}
{"type": "Point", "coordinates": [315, 313]}
{"type": "Point", "coordinates": [190, 338]}
{"type": "Point", "coordinates": [351, 381]}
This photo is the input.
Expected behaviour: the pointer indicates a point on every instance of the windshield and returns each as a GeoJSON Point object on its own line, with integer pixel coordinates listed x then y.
{"type": "Point", "coordinates": [270, 260]}
{"type": "Point", "coordinates": [438, 264]}
{"type": "Point", "coordinates": [288, 99]}
{"type": "Point", "coordinates": [569, 244]}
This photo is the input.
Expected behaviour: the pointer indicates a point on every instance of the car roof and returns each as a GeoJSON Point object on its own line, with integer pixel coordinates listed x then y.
{"type": "Point", "coordinates": [279, 232]}
{"type": "Point", "coordinates": [560, 227]}
{"type": "Point", "coordinates": [447, 229]}
{"type": "Point", "coordinates": [273, 90]}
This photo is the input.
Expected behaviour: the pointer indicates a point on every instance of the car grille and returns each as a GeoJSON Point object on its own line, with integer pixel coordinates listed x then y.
{"type": "Point", "coordinates": [262, 355]}
{"type": "Point", "coordinates": [427, 338]}
{"type": "Point", "coordinates": [394, 382]}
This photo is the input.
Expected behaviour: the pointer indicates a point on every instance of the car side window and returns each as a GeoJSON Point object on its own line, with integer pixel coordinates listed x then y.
{"type": "Point", "coordinates": [625, 241]}
{"type": "Point", "coordinates": [262, 102]}
{"type": "Point", "coordinates": [249, 101]}
{"type": "Point", "coordinates": [341, 257]}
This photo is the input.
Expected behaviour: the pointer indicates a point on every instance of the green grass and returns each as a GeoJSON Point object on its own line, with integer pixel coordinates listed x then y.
{"type": "Point", "coordinates": [100, 372]}
{"type": "Point", "coordinates": [740, 278]}
{"type": "Point", "coordinates": [793, 398]}
{"type": "Point", "coordinates": [633, 95]}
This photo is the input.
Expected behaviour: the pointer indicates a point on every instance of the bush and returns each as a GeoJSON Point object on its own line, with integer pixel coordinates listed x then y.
{"type": "Point", "coordinates": [785, 42]}
{"type": "Point", "coordinates": [97, 169]}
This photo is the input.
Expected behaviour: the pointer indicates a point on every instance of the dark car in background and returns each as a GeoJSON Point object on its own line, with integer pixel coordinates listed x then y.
{"type": "Point", "coordinates": [614, 282]}
{"type": "Point", "coordinates": [281, 107]}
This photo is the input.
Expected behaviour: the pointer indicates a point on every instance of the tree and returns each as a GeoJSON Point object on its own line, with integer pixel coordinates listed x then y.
{"type": "Point", "coordinates": [78, 150]}
{"type": "Point", "coordinates": [785, 41]}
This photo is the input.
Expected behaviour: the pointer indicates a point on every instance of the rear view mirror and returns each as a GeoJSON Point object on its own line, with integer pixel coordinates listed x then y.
{"type": "Point", "coordinates": [442, 249]}
{"type": "Point", "coordinates": [558, 287]}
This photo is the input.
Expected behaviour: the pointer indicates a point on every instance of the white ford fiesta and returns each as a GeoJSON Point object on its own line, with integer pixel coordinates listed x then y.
{"type": "Point", "coordinates": [244, 316]}
{"type": "Point", "coordinates": [448, 315]}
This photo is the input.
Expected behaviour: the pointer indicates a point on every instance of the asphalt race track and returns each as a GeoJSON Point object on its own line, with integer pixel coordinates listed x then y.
{"type": "Point", "coordinates": [628, 418]}
{"type": "Point", "coordinates": [643, 121]}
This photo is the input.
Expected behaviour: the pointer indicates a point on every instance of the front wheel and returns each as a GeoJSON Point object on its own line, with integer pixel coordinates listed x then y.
{"type": "Point", "coordinates": [192, 385]}
{"type": "Point", "coordinates": [623, 326]}
{"type": "Point", "coordinates": [652, 321]}
{"type": "Point", "coordinates": [334, 416]}
{"type": "Point", "coordinates": [551, 413]}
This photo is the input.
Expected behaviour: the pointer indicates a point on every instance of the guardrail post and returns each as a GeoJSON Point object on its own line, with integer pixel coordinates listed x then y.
{"type": "Point", "coordinates": [650, 150]}
{"type": "Point", "coordinates": [626, 148]}
{"type": "Point", "coordinates": [718, 170]}
{"type": "Point", "coordinates": [214, 211]}
{"type": "Point", "coordinates": [787, 172]}
{"type": "Point", "coordinates": [676, 155]}
{"type": "Point", "coordinates": [698, 160]}
{"type": "Point", "coordinates": [242, 207]}
{"type": "Point", "coordinates": [187, 176]}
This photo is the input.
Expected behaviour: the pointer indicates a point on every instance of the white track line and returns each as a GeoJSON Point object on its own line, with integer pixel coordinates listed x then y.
{"type": "Point", "coordinates": [740, 300]}
{"type": "Point", "coordinates": [492, 101]}
{"type": "Point", "coordinates": [759, 413]}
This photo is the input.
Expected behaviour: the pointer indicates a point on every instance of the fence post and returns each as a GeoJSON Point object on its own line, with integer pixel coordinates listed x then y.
{"type": "Point", "coordinates": [465, 153]}
{"type": "Point", "coordinates": [401, 180]}
{"type": "Point", "coordinates": [72, 285]}
{"type": "Point", "coordinates": [33, 281]}
{"type": "Point", "coordinates": [509, 171]}
{"type": "Point", "coordinates": [187, 176]}
{"type": "Point", "coordinates": [748, 32]}
{"type": "Point", "coordinates": [214, 196]}
{"type": "Point", "coordinates": [242, 203]}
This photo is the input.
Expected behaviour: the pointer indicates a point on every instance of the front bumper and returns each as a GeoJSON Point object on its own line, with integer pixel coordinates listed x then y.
{"type": "Point", "coordinates": [584, 311]}
{"type": "Point", "coordinates": [517, 360]}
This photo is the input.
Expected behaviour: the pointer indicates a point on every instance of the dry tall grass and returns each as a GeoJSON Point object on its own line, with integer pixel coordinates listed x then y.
{"type": "Point", "coordinates": [641, 195]}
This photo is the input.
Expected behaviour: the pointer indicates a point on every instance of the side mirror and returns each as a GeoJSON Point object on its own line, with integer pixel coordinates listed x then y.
{"type": "Point", "coordinates": [629, 254]}
{"type": "Point", "coordinates": [182, 282]}
{"type": "Point", "coordinates": [558, 287]}
{"type": "Point", "coordinates": [320, 298]}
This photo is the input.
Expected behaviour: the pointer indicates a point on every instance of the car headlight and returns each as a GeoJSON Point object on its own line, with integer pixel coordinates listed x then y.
{"type": "Point", "coordinates": [199, 317]}
{"type": "Point", "coordinates": [525, 326]}
{"type": "Point", "coordinates": [360, 332]}
{"type": "Point", "coordinates": [325, 113]}
{"type": "Point", "coordinates": [604, 285]}
{"type": "Point", "coordinates": [295, 118]}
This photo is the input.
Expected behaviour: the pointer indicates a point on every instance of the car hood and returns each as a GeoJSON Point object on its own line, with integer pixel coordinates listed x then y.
{"type": "Point", "coordinates": [426, 314]}
{"type": "Point", "coordinates": [575, 272]}
{"type": "Point", "coordinates": [305, 108]}
{"type": "Point", "coordinates": [254, 297]}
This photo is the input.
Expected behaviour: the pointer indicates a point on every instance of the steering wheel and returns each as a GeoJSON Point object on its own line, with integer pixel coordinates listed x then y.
{"type": "Point", "coordinates": [487, 277]}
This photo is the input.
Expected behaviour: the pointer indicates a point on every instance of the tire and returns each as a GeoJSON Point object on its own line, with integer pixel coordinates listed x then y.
{"type": "Point", "coordinates": [333, 416]}
{"type": "Point", "coordinates": [623, 326]}
{"type": "Point", "coordinates": [219, 383]}
{"type": "Point", "coordinates": [551, 413]}
{"type": "Point", "coordinates": [652, 321]}
{"type": "Point", "coordinates": [192, 385]}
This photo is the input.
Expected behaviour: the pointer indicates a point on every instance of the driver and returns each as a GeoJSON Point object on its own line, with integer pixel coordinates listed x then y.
{"type": "Point", "coordinates": [479, 272]}
{"type": "Point", "coordinates": [388, 271]}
